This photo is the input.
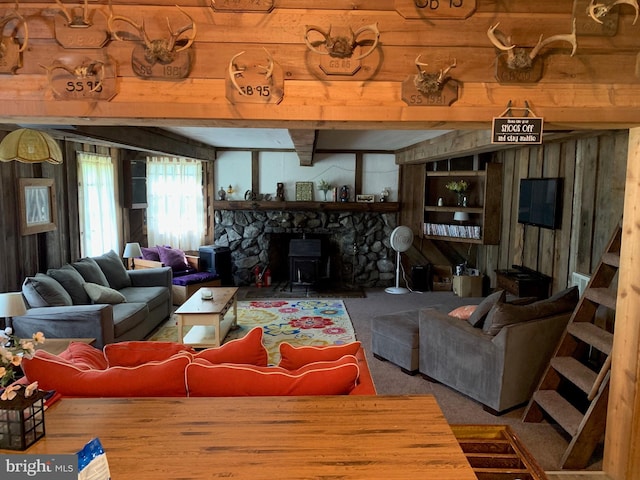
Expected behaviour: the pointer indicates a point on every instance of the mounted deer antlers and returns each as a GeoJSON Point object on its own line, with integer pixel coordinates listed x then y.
{"type": "Point", "coordinates": [76, 21]}
{"type": "Point", "coordinates": [83, 71]}
{"type": "Point", "coordinates": [160, 50]}
{"type": "Point", "coordinates": [428, 83]}
{"type": "Point", "coordinates": [235, 70]}
{"type": "Point", "coordinates": [599, 10]}
{"type": "Point", "coordinates": [13, 15]}
{"type": "Point", "coordinates": [519, 58]}
{"type": "Point", "coordinates": [342, 46]}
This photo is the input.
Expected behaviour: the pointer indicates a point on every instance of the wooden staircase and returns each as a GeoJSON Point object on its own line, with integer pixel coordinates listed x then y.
{"type": "Point", "coordinates": [574, 390]}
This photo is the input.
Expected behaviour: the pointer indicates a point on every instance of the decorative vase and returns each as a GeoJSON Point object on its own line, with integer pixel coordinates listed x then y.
{"type": "Point", "coordinates": [22, 420]}
{"type": "Point", "coordinates": [462, 199]}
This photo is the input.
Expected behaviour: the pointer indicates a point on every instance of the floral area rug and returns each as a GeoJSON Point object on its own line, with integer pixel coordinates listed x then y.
{"type": "Point", "coordinates": [299, 322]}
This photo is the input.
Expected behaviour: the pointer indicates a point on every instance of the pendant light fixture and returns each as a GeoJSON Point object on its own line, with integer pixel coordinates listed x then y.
{"type": "Point", "coordinates": [30, 146]}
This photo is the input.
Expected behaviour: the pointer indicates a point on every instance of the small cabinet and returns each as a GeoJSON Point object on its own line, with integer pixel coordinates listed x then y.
{"type": "Point", "coordinates": [474, 220]}
{"type": "Point", "coordinates": [135, 183]}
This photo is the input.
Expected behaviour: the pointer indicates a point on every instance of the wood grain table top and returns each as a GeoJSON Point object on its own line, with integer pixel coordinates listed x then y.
{"type": "Point", "coordinates": [337, 437]}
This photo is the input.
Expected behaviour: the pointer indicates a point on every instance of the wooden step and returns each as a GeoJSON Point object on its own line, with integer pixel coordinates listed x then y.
{"type": "Point", "coordinates": [602, 296]}
{"type": "Point", "coordinates": [593, 335]}
{"type": "Point", "coordinates": [574, 371]}
{"type": "Point", "coordinates": [611, 258]}
{"type": "Point", "coordinates": [565, 414]}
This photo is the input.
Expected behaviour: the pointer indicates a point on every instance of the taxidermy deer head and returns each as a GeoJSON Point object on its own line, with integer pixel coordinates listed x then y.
{"type": "Point", "coordinates": [428, 83]}
{"type": "Point", "coordinates": [599, 10]}
{"type": "Point", "coordinates": [161, 50]}
{"type": "Point", "coordinates": [342, 46]}
{"type": "Point", "coordinates": [519, 58]}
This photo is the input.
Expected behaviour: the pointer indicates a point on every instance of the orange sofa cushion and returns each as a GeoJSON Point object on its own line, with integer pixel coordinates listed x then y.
{"type": "Point", "coordinates": [336, 377]}
{"type": "Point", "coordinates": [85, 356]}
{"type": "Point", "coordinates": [153, 379]}
{"type": "Point", "coordinates": [246, 350]}
{"type": "Point", "coordinates": [134, 353]}
{"type": "Point", "coordinates": [292, 358]}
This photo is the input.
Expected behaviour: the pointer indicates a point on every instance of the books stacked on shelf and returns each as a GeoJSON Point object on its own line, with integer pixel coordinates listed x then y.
{"type": "Point", "coordinates": [454, 231]}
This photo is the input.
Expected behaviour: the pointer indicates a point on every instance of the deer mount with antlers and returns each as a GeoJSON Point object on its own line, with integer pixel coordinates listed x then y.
{"type": "Point", "coordinates": [342, 54]}
{"type": "Point", "coordinates": [426, 89]}
{"type": "Point", "coordinates": [80, 27]}
{"type": "Point", "coordinates": [250, 79]}
{"type": "Point", "coordinates": [167, 58]}
{"type": "Point", "coordinates": [10, 47]}
{"type": "Point", "coordinates": [88, 79]}
{"type": "Point", "coordinates": [516, 64]}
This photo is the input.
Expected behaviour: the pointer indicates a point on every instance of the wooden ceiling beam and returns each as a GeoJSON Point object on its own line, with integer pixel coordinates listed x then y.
{"type": "Point", "coordinates": [304, 142]}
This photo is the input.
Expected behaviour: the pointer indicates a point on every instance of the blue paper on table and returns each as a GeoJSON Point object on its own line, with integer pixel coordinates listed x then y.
{"type": "Point", "coordinates": [92, 462]}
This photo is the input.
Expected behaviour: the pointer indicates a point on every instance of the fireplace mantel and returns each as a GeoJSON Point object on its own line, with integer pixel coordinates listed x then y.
{"type": "Point", "coordinates": [303, 206]}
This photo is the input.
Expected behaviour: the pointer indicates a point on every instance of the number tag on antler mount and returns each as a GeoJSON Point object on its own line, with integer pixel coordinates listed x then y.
{"type": "Point", "coordinates": [435, 9]}
{"type": "Point", "coordinates": [243, 5]}
{"type": "Point", "coordinates": [178, 69]}
{"type": "Point", "coordinates": [505, 75]}
{"type": "Point", "coordinates": [94, 35]}
{"type": "Point", "coordinates": [89, 80]}
{"type": "Point", "coordinates": [341, 66]}
{"type": "Point", "coordinates": [444, 97]}
{"type": "Point", "coordinates": [251, 85]}
{"type": "Point", "coordinates": [11, 57]}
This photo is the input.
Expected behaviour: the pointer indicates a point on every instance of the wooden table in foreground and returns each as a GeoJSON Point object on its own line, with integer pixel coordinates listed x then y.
{"type": "Point", "coordinates": [208, 318]}
{"type": "Point", "coordinates": [284, 438]}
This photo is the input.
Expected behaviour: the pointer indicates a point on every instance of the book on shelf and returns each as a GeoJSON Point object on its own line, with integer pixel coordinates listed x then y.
{"type": "Point", "coordinates": [453, 231]}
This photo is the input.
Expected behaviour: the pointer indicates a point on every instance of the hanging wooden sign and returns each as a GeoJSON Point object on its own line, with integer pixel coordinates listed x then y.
{"type": "Point", "coordinates": [257, 80]}
{"type": "Point", "coordinates": [88, 79]}
{"type": "Point", "coordinates": [435, 9]}
{"type": "Point", "coordinates": [517, 130]}
{"type": "Point", "coordinates": [242, 5]}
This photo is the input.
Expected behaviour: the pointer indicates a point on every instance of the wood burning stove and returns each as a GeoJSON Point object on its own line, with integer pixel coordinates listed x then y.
{"type": "Point", "coordinates": [304, 261]}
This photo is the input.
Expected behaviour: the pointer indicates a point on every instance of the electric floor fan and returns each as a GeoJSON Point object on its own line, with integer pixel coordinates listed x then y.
{"type": "Point", "coordinates": [400, 240]}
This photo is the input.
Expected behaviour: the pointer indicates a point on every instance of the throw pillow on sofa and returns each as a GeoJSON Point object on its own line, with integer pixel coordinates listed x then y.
{"type": "Point", "coordinates": [44, 291]}
{"type": "Point", "coordinates": [72, 282]}
{"type": "Point", "coordinates": [90, 271]}
{"type": "Point", "coordinates": [292, 358]}
{"type": "Point", "coordinates": [464, 312]}
{"type": "Point", "coordinates": [113, 268]}
{"type": "Point", "coordinates": [134, 353]}
{"type": "Point", "coordinates": [102, 294]}
{"type": "Point", "coordinates": [84, 356]}
{"type": "Point", "coordinates": [153, 379]}
{"type": "Point", "coordinates": [337, 377]}
{"type": "Point", "coordinates": [503, 314]}
{"type": "Point", "coordinates": [173, 257]}
{"type": "Point", "coordinates": [246, 350]}
{"type": "Point", "coordinates": [479, 315]}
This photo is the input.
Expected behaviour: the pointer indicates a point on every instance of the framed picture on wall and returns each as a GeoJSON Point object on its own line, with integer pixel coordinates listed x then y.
{"type": "Point", "coordinates": [37, 202]}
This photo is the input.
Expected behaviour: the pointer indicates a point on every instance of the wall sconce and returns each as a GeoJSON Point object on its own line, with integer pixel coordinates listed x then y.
{"type": "Point", "coordinates": [11, 305]}
{"type": "Point", "coordinates": [30, 146]}
{"type": "Point", "coordinates": [132, 251]}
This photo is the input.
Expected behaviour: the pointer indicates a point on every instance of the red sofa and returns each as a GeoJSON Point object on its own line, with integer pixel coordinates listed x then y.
{"type": "Point", "coordinates": [167, 369]}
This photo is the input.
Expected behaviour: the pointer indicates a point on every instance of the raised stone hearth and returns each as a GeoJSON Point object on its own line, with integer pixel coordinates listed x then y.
{"type": "Point", "coordinates": [356, 249]}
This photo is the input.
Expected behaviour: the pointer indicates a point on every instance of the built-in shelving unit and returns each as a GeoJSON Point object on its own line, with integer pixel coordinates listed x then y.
{"type": "Point", "coordinates": [483, 202]}
{"type": "Point", "coordinates": [303, 206]}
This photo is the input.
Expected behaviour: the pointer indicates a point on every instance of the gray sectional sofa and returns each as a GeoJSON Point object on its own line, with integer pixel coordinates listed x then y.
{"type": "Point", "coordinates": [96, 297]}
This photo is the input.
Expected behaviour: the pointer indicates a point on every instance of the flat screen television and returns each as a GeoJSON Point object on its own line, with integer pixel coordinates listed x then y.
{"type": "Point", "coordinates": [540, 202]}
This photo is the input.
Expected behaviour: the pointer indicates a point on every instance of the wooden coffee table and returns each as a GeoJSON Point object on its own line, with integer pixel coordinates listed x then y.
{"type": "Point", "coordinates": [208, 319]}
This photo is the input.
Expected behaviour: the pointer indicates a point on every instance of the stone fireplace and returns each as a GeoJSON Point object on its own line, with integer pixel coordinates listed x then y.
{"type": "Point", "coordinates": [355, 245]}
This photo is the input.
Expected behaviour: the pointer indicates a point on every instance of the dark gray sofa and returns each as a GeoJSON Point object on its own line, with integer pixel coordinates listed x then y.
{"type": "Point", "coordinates": [96, 297]}
{"type": "Point", "coordinates": [498, 356]}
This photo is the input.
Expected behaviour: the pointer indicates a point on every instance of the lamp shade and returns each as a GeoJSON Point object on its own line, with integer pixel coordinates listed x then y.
{"type": "Point", "coordinates": [461, 216]}
{"type": "Point", "coordinates": [12, 304]}
{"type": "Point", "coordinates": [30, 146]}
{"type": "Point", "coordinates": [132, 250]}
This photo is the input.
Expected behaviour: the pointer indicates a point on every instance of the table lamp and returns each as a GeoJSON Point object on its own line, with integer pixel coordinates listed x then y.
{"type": "Point", "coordinates": [131, 251]}
{"type": "Point", "coordinates": [11, 305]}
{"type": "Point", "coordinates": [461, 216]}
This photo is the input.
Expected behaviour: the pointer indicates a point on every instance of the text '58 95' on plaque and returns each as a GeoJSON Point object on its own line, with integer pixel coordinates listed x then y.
{"type": "Point", "coordinates": [517, 130]}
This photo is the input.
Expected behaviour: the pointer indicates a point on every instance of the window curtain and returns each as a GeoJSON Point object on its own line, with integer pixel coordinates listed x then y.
{"type": "Point", "coordinates": [175, 212]}
{"type": "Point", "coordinates": [97, 204]}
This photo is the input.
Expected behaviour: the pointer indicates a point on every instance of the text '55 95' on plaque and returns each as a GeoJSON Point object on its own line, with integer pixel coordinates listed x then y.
{"type": "Point", "coordinates": [517, 130]}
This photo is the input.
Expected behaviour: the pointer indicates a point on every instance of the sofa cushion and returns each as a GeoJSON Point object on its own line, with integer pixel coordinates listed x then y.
{"type": "Point", "coordinates": [134, 353]}
{"type": "Point", "coordinates": [113, 268]}
{"type": "Point", "coordinates": [101, 294]}
{"type": "Point", "coordinates": [153, 379]}
{"type": "Point", "coordinates": [464, 312]}
{"type": "Point", "coordinates": [479, 315]}
{"type": "Point", "coordinates": [127, 316]}
{"type": "Point", "coordinates": [246, 350]}
{"type": "Point", "coordinates": [337, 377]}
{"type": "Point", "coordinates": [503, 314]}
{"type": "Point", "coordinates": [84, 356]}
{"type": "Point", "coordinates": [152, 296]}
{"type": "Point", "coordinates": [173, 257]}
{"type": "Point", "coordinates": [45, 291]}
{"type": "Point", "coordinates": [90, 271]}
{"type": "Point", "coordinates": [72, 282]}
{"type": "Point", "coordinates": [292, 358]}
